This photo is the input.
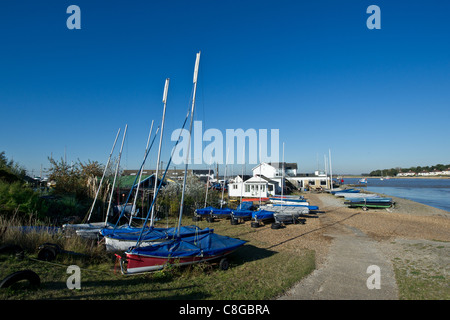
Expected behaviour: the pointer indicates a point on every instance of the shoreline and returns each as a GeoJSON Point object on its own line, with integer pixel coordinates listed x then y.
{"type": "Point", "coordinates": [397, 199]}
{"type": "Point", "coordinates": [378, 177]}
{"type": "Point", "coordinates": [397, 239]}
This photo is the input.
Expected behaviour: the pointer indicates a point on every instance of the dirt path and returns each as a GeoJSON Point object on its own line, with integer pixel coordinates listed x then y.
{"type": "Point", "coordinates": [360, 242]}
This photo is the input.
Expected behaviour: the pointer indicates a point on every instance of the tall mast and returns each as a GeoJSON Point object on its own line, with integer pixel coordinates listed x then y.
{"type": "Point", "coordinates": [103, 176]}
{"type": "Point", "coordinates": [282, 180]}
{"type": "Point", "coordinates": [197, 61]}
{"type": "Point", "coordinates": [243, 161]}
{"type": "Point", "coordinates": [166, 88]}
{"type": "Point", "coordinates": [133, 208]}
{"type": "Point", "coordinates": [115, 175]}
{"type": "Point", "coordinates": [224, 178]}
{"type": "Point", "coordinates": [331, 171]}
{"type": "Point", "coordinates": [260, 180]}
{"type": "Point", "coordinates": [207, 182]}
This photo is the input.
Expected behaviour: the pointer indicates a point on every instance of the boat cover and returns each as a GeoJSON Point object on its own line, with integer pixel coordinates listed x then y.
{"type": "Point", "coordinates": [262, 215]}
{"type": "Point", "coordinates": [205, 245]}
{"type": "Point", "coordinates": [152, 233]}
{"type": "Point", "coordinates": [245, 206]}
{"type": "Point", "coordinates": [213, 211]}
{"type": "Point", "coordinates": [242, 213]}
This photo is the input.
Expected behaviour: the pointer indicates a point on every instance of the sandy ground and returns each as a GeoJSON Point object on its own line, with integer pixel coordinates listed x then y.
{"type": "Point", "coordinates": [343, 236]}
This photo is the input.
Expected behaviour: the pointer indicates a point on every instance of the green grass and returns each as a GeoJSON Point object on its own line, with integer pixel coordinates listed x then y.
{"type": "Point", "coordinates": [254, 273]}
{"type": "Point", "coordinates": [423, 278]}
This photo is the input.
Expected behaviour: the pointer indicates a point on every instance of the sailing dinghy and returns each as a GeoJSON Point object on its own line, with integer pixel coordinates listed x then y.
{"type": "Point", "coordinates": [124, 237]}
{"type": "Point", "coordinates": [179, 251]}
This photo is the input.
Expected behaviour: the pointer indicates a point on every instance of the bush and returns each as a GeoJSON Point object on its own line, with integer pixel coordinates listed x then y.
{"type": "Point", "coordinates": [16, 198]}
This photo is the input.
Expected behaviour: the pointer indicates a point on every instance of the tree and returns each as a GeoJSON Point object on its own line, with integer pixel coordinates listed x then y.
{"type": "Point", "coordinates": [75, 178]}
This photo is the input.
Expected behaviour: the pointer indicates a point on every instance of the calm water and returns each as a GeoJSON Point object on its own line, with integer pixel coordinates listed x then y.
{"type": "Point", "coordinates": [432, 192]}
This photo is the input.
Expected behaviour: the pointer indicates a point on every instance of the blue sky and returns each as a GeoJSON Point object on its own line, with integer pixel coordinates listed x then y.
{"type": "Point", "coordinates": [312, 69]}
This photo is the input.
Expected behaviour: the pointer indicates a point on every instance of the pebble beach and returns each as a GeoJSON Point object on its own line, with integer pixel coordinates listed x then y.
{"type": "Point", "coordinates": [394, 233]}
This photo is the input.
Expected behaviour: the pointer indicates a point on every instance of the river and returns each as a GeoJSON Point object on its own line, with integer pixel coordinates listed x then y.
{"type": "Point", "coordinates": [432, 192]}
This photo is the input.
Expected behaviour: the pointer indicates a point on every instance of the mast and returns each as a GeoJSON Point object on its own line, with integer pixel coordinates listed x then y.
{"type": "Point", "coordinates": [207, 182]}
{"type": "Point", "coordinates": [115, 175]}
{"type": "Point", "coordinates": [243, 161]}
{"type": "Point", "coordinates": [282, 180]}
{"type": "Point", "coordinates": [103, 176]}
{"type": "Point", "coordinates": [133, 208]}
{"type": "Point", "coordinates": [166, 88]}
{"type": "Point", "coordinates": [197, 61]}
{"type": "Point", "coordinates": [260, 184]}
{"type": "Point", "coordinates": [224, 178]}
{"type": "Point", "coordinates": [331, 171]}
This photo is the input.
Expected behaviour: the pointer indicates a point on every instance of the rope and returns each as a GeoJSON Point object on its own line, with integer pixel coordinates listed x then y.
{"type": "Point", "coordinates": [63, 265]}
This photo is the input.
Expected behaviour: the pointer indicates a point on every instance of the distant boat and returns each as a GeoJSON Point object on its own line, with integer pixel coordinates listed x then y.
{"type": "Point", "coordinates": [366, 203]}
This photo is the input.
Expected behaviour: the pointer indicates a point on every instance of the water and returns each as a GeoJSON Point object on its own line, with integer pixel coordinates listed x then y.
{"type": "Point", "coordinates": [432, 192]}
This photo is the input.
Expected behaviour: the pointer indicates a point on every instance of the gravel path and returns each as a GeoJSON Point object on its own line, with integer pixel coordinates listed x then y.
{"type": "Point", "coordinates": [356, 240]}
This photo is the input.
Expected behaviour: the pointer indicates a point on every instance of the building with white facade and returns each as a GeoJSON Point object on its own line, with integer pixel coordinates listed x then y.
{"type": "Point", "coordinates": [256, 186]}
{"type": "Point", "coordinates": [267, 180]}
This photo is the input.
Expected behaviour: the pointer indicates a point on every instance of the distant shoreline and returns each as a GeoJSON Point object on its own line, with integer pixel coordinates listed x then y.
{"type": "Point", "coordinates": [415, 177]}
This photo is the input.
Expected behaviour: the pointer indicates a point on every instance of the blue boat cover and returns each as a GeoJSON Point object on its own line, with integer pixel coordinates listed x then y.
{"type": "Point", "coordinates": [246, 205]}
{"type": "Point", "coordinates": [345, 190]}
{"type": "Point", "coordinates": [214, 211]}
{"type": "Point", "coordinates": [205, 245]}
{"type": "Point", "coordinates": [242, 213]}
{"type": "Point", "coordinates": [152, 233]}
{"type": "Point", "coordinates": [262, 214]}
{"type": "Point", "coordinates": [204, 211]}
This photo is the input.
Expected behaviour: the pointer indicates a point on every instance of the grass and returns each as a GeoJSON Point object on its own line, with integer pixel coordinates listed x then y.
{"type": "Point", "coordinates": [423, 278]}
{"type": "Point", "coordinates": [255, 273]}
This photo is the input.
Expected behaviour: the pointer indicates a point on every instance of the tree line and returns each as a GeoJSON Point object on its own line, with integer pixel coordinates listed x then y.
{"type": "Point", "coordinates": [394, 171]}
{"type": "Point", "coordinates": [73, 189]}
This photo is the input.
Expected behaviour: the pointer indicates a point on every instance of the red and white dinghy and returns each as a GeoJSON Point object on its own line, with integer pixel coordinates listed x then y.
{"type": "Point", "coordinates": [179, 252]}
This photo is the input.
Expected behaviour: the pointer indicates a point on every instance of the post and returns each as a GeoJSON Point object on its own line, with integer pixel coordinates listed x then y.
{"type": "Point", "coordinates": [166, 88]}
{"type": "Point", "coordinates": [115, 176]}
{"type": "Point", "coordinates": [197, 61]}
{"type": "Point", "coordinates": [103, 176]}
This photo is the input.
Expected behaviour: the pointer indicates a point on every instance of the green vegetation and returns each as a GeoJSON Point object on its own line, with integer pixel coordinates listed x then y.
{"type": "Point", "coordinates": [21, 203]}
{"type": "Point", "coordinates": [394, 171]}
{"type": "Point", "coordinates": [251, 273]}
{"type": "Point", "coordinates": [424, 278]}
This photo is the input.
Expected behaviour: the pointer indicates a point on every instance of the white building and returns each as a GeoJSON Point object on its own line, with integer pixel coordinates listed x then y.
{"type": "Point", "coordinates": [406, 174]}
{"type": "Point", "coordinates": [256, 186]}
{"type": "Point", "coordinates": [267, 180]}
{"type": "Point", "coordinates": [275, 169]}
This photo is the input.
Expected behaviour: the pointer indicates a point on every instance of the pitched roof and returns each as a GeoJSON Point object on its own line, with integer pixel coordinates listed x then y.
{"type": "Point", "coordinates": [287, 165]}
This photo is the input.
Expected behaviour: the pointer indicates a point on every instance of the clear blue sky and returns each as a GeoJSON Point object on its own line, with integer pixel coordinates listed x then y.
{"type": "Point", "coordinates": [312, 69]}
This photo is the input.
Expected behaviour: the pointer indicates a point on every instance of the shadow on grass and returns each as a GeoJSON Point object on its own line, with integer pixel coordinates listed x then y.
{"type": "Point", "coordinates": [250, 253]}
{"type": "Point", "coordinates": [126, 288]}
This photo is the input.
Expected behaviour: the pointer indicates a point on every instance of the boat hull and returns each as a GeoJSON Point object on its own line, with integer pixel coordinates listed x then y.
{"type": "Point", "coordinates": [138, 263]}
{"type": "Point", "coordinates": [180, 252]}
